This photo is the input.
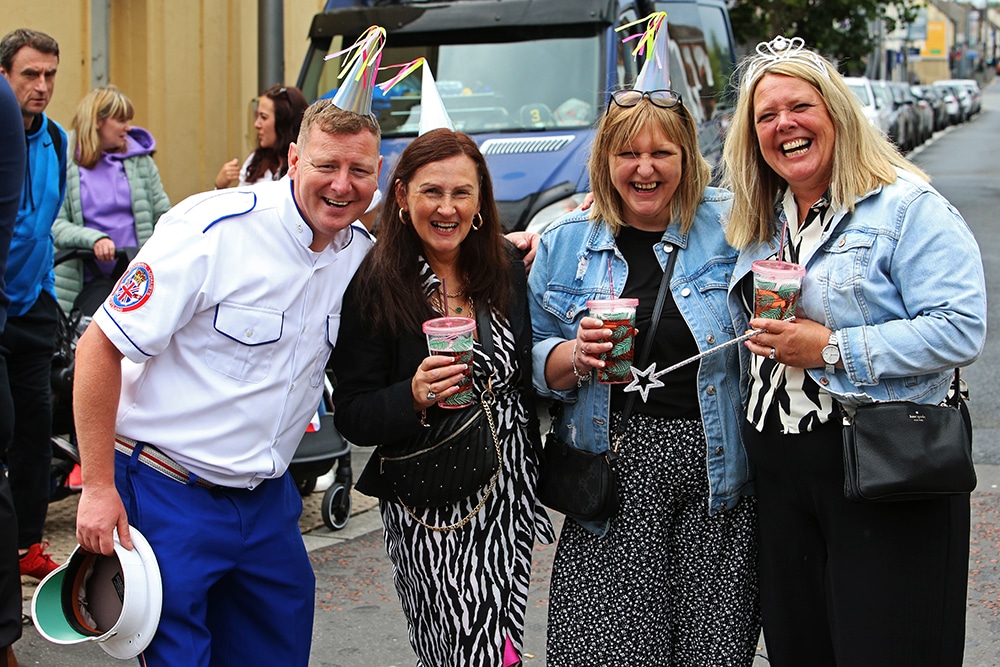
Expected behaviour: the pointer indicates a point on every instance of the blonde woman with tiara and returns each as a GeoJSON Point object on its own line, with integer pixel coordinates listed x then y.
{"type": "Point", "coordinates": [893, 300]}
{"type": "Point", "coordinates": [113, 192]}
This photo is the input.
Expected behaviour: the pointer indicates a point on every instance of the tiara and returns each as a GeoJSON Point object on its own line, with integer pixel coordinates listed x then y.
{"type": "Point", "coordinates": [778, 50]}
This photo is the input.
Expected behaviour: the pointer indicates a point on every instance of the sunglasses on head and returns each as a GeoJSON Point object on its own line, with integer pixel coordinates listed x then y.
{"type": "Point", "coordinates": [665, 99]}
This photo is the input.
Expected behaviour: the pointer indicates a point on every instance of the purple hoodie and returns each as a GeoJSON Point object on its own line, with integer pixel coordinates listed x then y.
{"type": "Point", "coordinates": [105, 194]}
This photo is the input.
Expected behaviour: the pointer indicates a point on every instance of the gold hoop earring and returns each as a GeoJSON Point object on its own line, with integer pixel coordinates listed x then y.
{"type": "Point", "coordinates": [476, 227]}
{"type": "Point", "coordinates": [405, 220]}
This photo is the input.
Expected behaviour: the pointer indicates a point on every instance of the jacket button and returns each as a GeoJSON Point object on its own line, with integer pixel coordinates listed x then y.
{"type": "Point", "coordinates": [249, 333]}
{"type": "Point", "coordinates": [719, 450]}
{"type": "Point", "coordinates": [686, 292]}
{"type": "Point", "coordinates": [710, 390]}
{"type": "Point", "coordinates": [841, 242]}
{"type": "Point", "coordinates": [824, 381]}
{"type": "Point", "coordinates": [710, 339]}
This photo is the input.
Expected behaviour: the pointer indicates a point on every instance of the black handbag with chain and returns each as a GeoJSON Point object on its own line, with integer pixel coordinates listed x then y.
{"type": "Point", "coordinates": [451, 460]}
{"type": "Point", "coordinates": [908, 451]}
{"type": "Point", "coordinates": [584, 485]}
{"type": "Point", "coordinates": [455, 456]}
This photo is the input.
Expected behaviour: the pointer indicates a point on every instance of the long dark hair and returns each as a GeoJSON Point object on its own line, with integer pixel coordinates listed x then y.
{"type": "Point", "coordinates": [388, 279]}
{"type": "Point", "coordinates": [289, 105]}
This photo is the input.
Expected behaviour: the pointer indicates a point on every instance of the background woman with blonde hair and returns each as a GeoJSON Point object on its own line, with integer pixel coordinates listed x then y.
{"type": "Point", "coordinates": [113, 192]}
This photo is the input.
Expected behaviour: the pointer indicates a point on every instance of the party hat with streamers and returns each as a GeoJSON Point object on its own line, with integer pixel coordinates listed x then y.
{"type": "Point", "coordinates": [432, 112]}
{"type": "Point", "coordinates": [653, 44]}
{"type": "Point", "coordinates": [358, 73]}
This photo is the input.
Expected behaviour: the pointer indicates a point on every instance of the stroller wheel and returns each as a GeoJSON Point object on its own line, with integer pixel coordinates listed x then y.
{"type": "Point", "coordinates": [336, 507]}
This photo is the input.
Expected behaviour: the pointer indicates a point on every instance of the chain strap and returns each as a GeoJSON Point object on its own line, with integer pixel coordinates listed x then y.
{"type": "Point", "coordinates": [488, 400]}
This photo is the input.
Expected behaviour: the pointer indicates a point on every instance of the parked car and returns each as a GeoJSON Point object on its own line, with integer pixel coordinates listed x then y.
{"type": "Point", "coordinates": [907, 105]}
{"type": "Point", "coordinates": [951, 103]}
{"type": "Point", "coordinates": [898, 129]}
{"type": "Point", "coordinates": [972, 87]}
{"type": "Point", "coordinates": [963, 95]}
{"type": "Point", "coordinates": [875, 110]}
{"type": "Point", "coordinates": [924, 113]}
{"type": "Point", "coordinates": [936, 103]}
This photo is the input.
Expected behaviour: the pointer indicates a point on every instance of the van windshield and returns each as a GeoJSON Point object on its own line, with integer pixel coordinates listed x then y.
{"type": "Point", "coordinates": [490, 87]}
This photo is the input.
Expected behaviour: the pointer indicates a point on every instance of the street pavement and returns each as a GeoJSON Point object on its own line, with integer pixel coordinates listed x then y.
{"type": "Point", "coordinates": [358, 620]}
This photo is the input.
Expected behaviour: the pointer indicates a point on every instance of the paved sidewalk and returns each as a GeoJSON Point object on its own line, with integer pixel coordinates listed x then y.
{"type": "Point", "coordinates": [359, 623]}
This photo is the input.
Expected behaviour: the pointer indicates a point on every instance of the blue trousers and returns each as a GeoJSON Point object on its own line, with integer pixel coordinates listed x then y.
{"type": "Point", "coordinates": [238, 586]}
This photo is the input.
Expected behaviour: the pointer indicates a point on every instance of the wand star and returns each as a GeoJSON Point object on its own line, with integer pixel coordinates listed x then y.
{"type": "Point", "coordinates": [643, 381]}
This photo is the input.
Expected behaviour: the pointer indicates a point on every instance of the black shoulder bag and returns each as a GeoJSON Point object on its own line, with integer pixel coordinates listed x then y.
{"type": "Point", "coordinates": [584, 485]}
{"type": "Point", "coordinates": [454, 457]}
{"type": "Point", "coordinates": [901, 450]}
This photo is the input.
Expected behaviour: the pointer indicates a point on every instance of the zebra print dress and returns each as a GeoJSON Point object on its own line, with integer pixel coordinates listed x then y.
{"type": "Point", "coordinates": [464, 592]}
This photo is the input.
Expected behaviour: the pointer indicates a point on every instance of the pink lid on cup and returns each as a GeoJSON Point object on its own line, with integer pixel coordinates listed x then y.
{"type": "Point", "coordinates": [612, 304]}
{"type": "Point", "coordinates": [449, 326]}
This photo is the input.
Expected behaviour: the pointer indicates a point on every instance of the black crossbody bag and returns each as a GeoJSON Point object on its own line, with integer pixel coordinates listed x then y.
{"type": "Point", "coordinates": [457, 455]}
{"type": "Point", "coordinates": [901, 450]}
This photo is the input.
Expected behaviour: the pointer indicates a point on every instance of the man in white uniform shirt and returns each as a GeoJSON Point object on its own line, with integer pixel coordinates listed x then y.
{"type": "Point", "coordinates": [226, 318]}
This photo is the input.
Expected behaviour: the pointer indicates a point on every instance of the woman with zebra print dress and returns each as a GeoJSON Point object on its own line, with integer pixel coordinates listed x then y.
{"type": "Point", "coordinates": [463, 584]}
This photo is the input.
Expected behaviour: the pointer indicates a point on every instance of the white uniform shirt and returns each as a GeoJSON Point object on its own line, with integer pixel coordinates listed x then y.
{"type": "Point", "coordinates": [226, 326]}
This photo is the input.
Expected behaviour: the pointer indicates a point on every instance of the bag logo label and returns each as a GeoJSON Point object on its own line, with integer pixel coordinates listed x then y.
{"type": "Point", "coordinates": [133, 289]}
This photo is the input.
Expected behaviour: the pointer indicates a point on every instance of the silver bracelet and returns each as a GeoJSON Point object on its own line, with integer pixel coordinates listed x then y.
{"type": "Point", "coordinates": [580, 379]}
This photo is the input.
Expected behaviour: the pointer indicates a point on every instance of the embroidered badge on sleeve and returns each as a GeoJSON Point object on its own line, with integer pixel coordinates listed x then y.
{"type": "Point", "coordinates": [133, 289]}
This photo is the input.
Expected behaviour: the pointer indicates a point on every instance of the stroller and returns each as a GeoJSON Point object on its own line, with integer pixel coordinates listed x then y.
{"type": "Point", "coordinates": [320, 448]}
{"type": "Point", "coordinates": [65, 455]}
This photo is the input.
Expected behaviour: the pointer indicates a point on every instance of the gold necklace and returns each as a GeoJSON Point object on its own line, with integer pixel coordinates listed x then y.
{"type": "Point", "coordinates": [439, 303]}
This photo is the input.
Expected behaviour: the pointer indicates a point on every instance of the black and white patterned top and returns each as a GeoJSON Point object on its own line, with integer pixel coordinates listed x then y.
{"type": "Point", "coordinates": [801, 404]}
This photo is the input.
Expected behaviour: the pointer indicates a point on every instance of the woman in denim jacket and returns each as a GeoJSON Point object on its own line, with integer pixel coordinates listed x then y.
{"type": "Point", "coordinates": [892, 301]}
{"type": "Point", "coordinates": [671, 579]}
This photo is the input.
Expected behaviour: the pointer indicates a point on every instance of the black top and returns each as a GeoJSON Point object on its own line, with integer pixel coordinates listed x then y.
{"type": "Point", "coordinates": [678, 399]}
{"type": "Point", "coordinates": [372, 400]}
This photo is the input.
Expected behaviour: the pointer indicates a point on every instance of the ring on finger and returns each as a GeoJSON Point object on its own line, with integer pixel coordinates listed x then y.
{"type": "Point", "coordinates": [772, 354]}
{"type": "Point", "coordinates": [430, 394]}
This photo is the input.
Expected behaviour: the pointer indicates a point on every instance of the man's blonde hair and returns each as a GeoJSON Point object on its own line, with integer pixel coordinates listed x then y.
{"type": "Point", "coordinates": [333, 120]}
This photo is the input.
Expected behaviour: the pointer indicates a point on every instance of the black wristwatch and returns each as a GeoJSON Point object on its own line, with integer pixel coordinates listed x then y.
{"type": "Point", "coordinates": [831, 353]}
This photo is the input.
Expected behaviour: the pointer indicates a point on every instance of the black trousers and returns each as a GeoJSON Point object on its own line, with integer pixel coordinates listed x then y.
{"type": "Point", "coordinates": [27, 345]}
{"type": "Point", "coordinates": [853, 584]}
{"type": "Point", "coordinates": [10, 573]}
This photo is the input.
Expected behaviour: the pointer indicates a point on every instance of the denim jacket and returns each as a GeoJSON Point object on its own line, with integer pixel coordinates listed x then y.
{"type": "Point", "coordinates": [901, 282]}
{"type": "Point", "coordinates": [572, 266]}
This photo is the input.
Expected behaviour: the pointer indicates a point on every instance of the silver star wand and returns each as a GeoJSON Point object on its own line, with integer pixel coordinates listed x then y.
{"type": "Point", "coordinates": [651, 376]}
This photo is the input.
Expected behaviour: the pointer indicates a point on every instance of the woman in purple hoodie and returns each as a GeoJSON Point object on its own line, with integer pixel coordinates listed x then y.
{"type": "Point", "coordinates": [113, 192]}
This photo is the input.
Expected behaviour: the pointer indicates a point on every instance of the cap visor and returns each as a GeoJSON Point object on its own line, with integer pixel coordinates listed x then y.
{"type": "Point", "coordinates": [47, 610]}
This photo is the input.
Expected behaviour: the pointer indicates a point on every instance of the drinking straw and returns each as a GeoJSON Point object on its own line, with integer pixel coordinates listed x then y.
{"type": "Point", "coordinates": [781, 243]}
{"type": "Point", "coordinates": [444, 292]}
{"type": "Point", "coordinates": [611, 278]}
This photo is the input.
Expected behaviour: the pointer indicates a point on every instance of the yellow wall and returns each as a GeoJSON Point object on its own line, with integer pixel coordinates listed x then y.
{"type": "Point", "coordinates": [933, 64]}
{"type": "Point", "coordinates": [189, 66]}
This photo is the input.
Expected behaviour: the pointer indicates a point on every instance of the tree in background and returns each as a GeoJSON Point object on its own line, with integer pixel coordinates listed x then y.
{"type": "Point", "coordinates": [839, 29]}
